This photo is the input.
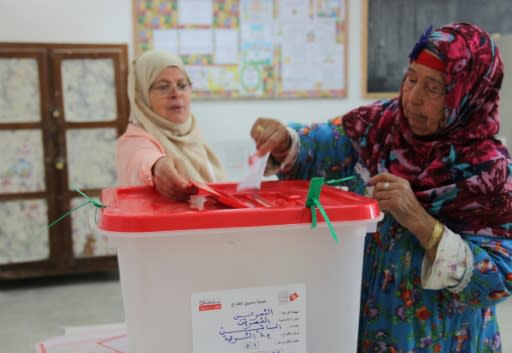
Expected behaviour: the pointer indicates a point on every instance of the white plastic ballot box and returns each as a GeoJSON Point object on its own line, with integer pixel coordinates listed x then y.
{"type": "Point", "coordinates": [258, 278]}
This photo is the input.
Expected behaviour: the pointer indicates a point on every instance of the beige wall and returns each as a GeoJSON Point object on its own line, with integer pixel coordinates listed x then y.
{"type": "Point", "coordinates": [99, 21]}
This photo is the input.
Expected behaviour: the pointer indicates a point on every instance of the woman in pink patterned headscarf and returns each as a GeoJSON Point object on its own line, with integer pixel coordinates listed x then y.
{"type": "Point", "coordinates": [441, 259]}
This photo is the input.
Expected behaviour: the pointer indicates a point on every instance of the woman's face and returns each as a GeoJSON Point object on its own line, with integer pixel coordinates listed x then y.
{"type": "Point", "coordinates": [423, 95]}
{"type": "Point", "coordinates": [169, 95]}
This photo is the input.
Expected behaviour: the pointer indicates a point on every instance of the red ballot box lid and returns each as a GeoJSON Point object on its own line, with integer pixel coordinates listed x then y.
{"type": "Point", "coordinates": [280, 202]}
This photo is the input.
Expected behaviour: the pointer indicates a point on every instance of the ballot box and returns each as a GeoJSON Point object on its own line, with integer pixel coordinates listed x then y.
{"type": "Point", "coordinates": [257, 271]}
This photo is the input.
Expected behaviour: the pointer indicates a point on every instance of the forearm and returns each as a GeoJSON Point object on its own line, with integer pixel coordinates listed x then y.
{"type": "Point", "coordinates": [424, 228]}
{"type": "Point", "coordinates": [323, 150]}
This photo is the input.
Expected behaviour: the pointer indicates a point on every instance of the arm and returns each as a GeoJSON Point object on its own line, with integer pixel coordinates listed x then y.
{"type": "Point", "coordinates": [491, 280]}
{"type": "Point", "coordinates": [302, 151]}
{"type": "Point", "coordinates": [476, 270]}
{"type": "Point", "coordinates": [136, 153]}
{"type": "Point", "coordinates": [325, 150]}
{"type": "Point", "coordinates": [142, 160]}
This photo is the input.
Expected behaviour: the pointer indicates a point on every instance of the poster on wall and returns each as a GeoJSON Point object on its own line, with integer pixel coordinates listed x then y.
{"type": "Point", "coordinates": [250, 48]}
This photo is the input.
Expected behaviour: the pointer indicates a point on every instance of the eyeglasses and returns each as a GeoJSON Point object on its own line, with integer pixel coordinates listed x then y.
{"type": "Point", "coordinates": [433, 89]}
{"type": "Point", "coordinates": [165, 88]}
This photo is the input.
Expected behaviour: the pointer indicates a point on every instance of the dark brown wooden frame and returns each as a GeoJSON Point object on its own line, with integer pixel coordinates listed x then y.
{"type": "Point", "coordinates": [49, 57]}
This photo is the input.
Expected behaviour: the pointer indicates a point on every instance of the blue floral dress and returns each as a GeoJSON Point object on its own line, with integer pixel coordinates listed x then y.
{"type": "Point", "coordinates": [397, 314]}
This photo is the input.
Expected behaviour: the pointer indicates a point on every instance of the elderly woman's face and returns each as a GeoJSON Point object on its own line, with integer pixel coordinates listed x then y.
{"type": "Point", "coordinates": [423, 95]}
{"type": "Point", "coordinates": [169, 95]}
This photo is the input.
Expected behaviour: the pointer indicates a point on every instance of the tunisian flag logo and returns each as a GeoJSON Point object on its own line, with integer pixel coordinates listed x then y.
{"type": "Point", "coordinates": [210, 304]}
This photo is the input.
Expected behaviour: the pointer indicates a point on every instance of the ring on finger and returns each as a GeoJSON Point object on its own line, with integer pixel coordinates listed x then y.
{"type": "Point", "coordinates": [386, 185]}
{"type": "Point", "coordinates": [260, 129]}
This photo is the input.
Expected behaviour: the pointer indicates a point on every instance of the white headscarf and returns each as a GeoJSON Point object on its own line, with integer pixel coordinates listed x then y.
{"type": "Point", "coordinates": [181, 140]}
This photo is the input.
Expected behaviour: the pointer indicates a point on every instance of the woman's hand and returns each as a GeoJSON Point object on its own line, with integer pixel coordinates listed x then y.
{"type": "Point", "coordinates": [394, 195]}
{"type": "Point", "coordinates": [171, 180]}
{"type": "Point", "coordinates": [271, 136]}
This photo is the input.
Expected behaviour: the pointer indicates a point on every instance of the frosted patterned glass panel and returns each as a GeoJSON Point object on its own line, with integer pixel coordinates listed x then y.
{"type": "Point", "coordinates": [86, 242]}
{"type": "Point", "coordinates": [89, 90]}
{"type": "Point", "coordinates": [22, 168]}
{"type": "Point", "coordinates": [91, 158]}
{"type": "Point", "coordinates": [19, 91]}
{"type": "Point", "coordinates": [23, 231]}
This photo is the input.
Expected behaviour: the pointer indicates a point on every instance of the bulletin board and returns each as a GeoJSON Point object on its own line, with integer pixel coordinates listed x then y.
{"type": "Point", "coordinates": [250, 48]}
{"type": "Point", "coordinates": [391, 28]}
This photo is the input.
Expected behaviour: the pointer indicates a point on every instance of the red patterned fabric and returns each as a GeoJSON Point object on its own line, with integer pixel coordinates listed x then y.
{"type": "Point", "coordinates": [462, 175]}
{"type": "Point", "coordinates": [424, 58]}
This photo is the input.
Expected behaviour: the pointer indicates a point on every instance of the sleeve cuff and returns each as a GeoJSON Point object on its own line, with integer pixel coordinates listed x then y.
{"type": "Point", "coordinates": [451, 269]}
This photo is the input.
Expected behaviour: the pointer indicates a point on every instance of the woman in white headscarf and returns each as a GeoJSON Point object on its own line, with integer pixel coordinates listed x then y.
{"type": "Point", "coordinates": [162, 145]}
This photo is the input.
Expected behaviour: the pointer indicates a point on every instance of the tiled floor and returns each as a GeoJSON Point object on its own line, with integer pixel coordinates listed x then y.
{"type": "Point", "coordinates": [31, 311]}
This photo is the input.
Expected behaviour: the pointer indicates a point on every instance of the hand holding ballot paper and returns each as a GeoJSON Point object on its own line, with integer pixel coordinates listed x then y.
{"type": "Point", "coordinates": [257, 166]}
{"type": "Point", "coordinates": [251, 182]}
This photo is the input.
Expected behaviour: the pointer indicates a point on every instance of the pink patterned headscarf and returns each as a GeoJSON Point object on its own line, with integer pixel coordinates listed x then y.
{"type": "Point", "coordinates": [462, 175]}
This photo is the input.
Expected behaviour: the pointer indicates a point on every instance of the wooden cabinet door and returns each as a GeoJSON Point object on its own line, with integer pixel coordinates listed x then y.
{"type": "Point", "coordinates": [61, 109]}
{"type": "Point", "coordinates": [27, 195]}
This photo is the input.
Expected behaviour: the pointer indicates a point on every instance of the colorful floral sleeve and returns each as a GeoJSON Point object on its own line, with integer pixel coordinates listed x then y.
{"type": "Point", "coordinates": [325, 151]}
{"type": "Point", "coordinates": [491, 280]}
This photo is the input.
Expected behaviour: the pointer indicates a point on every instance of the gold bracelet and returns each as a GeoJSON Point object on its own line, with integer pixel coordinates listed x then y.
{"type": "Point", "coordinates": [435, 237]}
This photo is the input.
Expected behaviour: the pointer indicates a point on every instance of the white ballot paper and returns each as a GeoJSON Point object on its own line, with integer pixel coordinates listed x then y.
{"type": "Point", "coordinates": [250, 320]}
{"type": "Point", "coordinates": [256, 169]}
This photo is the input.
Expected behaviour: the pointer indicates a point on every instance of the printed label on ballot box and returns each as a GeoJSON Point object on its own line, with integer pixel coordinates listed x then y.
{"type": "Point", "coordinates": [250, 320]}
